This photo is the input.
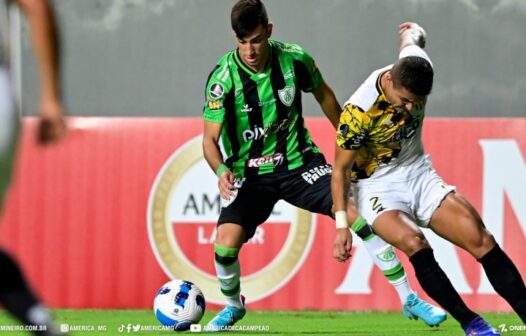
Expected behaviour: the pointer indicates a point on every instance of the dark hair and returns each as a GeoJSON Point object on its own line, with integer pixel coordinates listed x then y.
{"type": "Point", "coordinates": [247, 15]}
{"type": "Point", "coordinates": [414, 74]}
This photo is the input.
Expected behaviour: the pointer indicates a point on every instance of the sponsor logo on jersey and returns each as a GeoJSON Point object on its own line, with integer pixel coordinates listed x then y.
{"type": "Point", "coordinates": [286, 95]}
{"type": "Point", "coordinates": [246, 108]}
{"type": "Point", "coordinates": [216, 91]}
{"type": "Point", "coordinates": [271, 128]}
{"type": "Point", "coordinates": [408, 130]}
{"type": "Point", "coordinates": [267, 102]}
{"type": "Point", "coordinates": [312, 175]}
{"type": "Point", "coordinates": [254, 134]}
{"type": "Point", "coordinates": [215, 105]}
{"type": "Point", "coordinates": [183, 208]}
{"type": "Point", "coordinates": [276, 159]}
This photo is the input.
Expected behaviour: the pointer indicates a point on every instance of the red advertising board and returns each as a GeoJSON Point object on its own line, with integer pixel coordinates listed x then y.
{"type": "Point", "coordinates": [106, 216]}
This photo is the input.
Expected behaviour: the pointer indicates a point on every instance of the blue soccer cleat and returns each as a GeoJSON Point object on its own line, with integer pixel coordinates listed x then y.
{"type": "Point", "coordinates": [479, 327]}
{"type": "Point", "coordinates": [416, 308]}
{"type": "Point", "coordinates": [226, 318]}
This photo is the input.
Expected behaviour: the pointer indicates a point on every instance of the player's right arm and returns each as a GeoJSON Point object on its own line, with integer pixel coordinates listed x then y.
{"type": "Point", "coordinates": [344, 160]}
{"type": "Point", "coordinates": [212, 153]}
{"type": "Point", "coordinates": [44, 40]}
{"type": "Point", "coordinates": [351, 134]}
{"type": "Point", "coordinates": [218, 88]}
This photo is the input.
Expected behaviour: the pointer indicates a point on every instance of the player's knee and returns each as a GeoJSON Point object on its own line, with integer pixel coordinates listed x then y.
{"type": "Point", "coordinates": [481, 243]}
{"type": "Point", "coordinates": [479, 240]}
{"type": "Point", "coordinates": [413, 243]}
{"type": "Point", "coordinates": [229, 235]}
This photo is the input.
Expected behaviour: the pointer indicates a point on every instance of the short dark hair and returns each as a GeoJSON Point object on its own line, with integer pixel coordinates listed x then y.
{"type": "Point", "coordinates": [414, 74]}
{"type": "Point", "coordinates": [247, 15]}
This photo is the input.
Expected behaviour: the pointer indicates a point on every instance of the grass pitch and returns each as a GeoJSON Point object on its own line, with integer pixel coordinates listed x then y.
{"type": "Point", "coordinates": [118, 322]}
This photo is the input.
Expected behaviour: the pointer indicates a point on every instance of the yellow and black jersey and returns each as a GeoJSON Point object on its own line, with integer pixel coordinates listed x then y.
{"type": "Point", "coordinates": [385, 138]}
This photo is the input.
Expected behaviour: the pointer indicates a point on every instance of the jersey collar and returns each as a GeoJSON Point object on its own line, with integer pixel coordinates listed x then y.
{"type": "Point", "coordinates": [254, 75]}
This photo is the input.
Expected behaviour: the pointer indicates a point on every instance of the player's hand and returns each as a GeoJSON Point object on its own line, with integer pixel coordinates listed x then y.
{"type": "Point", "coordinates": [226, 185]}
{"type": "Point", "coordinates": [342, 246]}
{"type": "Point", "coordinates": [414, 32]}
{"type": "Point", "coordinates": [51, 124]}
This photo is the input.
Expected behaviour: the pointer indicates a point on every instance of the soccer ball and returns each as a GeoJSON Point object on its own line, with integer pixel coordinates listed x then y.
{"type": "Point", "coordinates": [179, 304]}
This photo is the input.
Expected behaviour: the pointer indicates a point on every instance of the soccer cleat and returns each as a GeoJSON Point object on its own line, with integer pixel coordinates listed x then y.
{"type": "Point", "coordinates": [479, 327]}
{"type": "Point", "coordinates": [415, 308]}
{"type": "Point", "coordinates": [226, 318]}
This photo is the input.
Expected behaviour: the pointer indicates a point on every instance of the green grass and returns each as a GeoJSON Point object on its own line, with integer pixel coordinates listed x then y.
{"type": "Point", "coordinates": [279, 323]}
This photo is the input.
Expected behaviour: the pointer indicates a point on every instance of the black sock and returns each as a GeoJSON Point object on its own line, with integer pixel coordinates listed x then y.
{"type": "Point", "coordinates": [437, 285]}
{"type": "Point", "coordinates": [15, 294]}
{"type": "Point", "coordinates": [505, 279]}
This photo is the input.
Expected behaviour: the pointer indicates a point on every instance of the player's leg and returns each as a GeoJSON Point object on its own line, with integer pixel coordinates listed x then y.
{"type": "Point", "coordinates": [457, 221]}
{"type": "Point", "coordinates": [19, 299]}
{"type": "Point", "coordinates": [382, 254]}
{"type": "Point", "coordinates": [385, 258]}
{"type": "Point", "coordinates": [314, 195]}
{"type": "Point", "coordinates": [229, 240]}
{"type": "Point", "coordinates": [399, 229]}
{"type": "Point", "coordinates": [388, 206]}
{"type": "Point", "coordinates": [15, 293]}
{"type": "Point", "coordinates": [236, 224]}
{"type": "Point", "coordinates": [430, 196]}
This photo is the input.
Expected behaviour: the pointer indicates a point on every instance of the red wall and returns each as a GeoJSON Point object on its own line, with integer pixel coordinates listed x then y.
{"type": "Point", "coordinates": [77, 215]}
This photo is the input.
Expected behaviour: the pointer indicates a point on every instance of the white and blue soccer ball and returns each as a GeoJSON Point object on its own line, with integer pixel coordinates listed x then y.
{"type": "Point", "coordinates": [179, 304]}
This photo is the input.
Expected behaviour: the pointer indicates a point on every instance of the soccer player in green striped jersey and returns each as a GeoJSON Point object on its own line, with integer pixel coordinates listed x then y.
{"type": "Point", "coordinates": [253, 103]}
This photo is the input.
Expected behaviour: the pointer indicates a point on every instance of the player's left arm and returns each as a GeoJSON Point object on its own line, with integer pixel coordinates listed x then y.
{"type": "Point", "coordinates": [43, 34]}
{"type": "Point", "coordinates": [309, 79]}
{"type": "Point", "coordinates": [328, 102]}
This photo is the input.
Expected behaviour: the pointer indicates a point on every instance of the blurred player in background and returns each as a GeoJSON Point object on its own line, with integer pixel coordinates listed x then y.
{"type": "Point", "coordinates": [253, 101]}
{"type": "Point", "coordinates": [379, 148]}
{"type": "Point", "coordinates": [15, 294]}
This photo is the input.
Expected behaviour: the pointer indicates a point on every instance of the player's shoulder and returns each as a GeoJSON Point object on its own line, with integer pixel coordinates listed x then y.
{"type": "Point", "coordinates": [289, 49]}
{"type": "Point", "coordinates": [221, 73]}
{"type": "Point", "coordinates": [367, 94]}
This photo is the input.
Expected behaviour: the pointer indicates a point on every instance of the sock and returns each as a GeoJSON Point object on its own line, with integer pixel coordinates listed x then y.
{"type": "Point", "coordinates": [437, 285]}
{"type": "Point", "coordinates": [384, 257]}
{"type": "Point", "coordinates": [505, 279]}
{"type": "Point", "coordinates": [16, 296]}
{"type": "Point", "coordinates": [228, 273]}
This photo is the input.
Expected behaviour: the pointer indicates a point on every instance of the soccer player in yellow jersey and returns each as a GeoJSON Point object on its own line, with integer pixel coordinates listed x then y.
{"type": "Point", "coordinates": [380, 153]}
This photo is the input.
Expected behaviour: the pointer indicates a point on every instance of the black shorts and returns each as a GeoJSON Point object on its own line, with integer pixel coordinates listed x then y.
{"type": "Point", "coordinates": [307, 187]}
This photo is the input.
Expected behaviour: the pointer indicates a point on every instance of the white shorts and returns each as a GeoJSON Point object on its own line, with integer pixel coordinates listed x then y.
{"type": "Point", "coordinates": [418, 196]}
{"type": "Point", "coordinates": [9, 128]}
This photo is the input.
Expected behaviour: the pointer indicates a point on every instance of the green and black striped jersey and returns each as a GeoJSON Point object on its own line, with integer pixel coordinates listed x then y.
{"type": "Point", "coordinates": [263, 127]}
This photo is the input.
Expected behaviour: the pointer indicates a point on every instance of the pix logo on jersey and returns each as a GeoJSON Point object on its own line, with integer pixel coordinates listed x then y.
{"type": "Point", "coordinates": [183, 208]}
